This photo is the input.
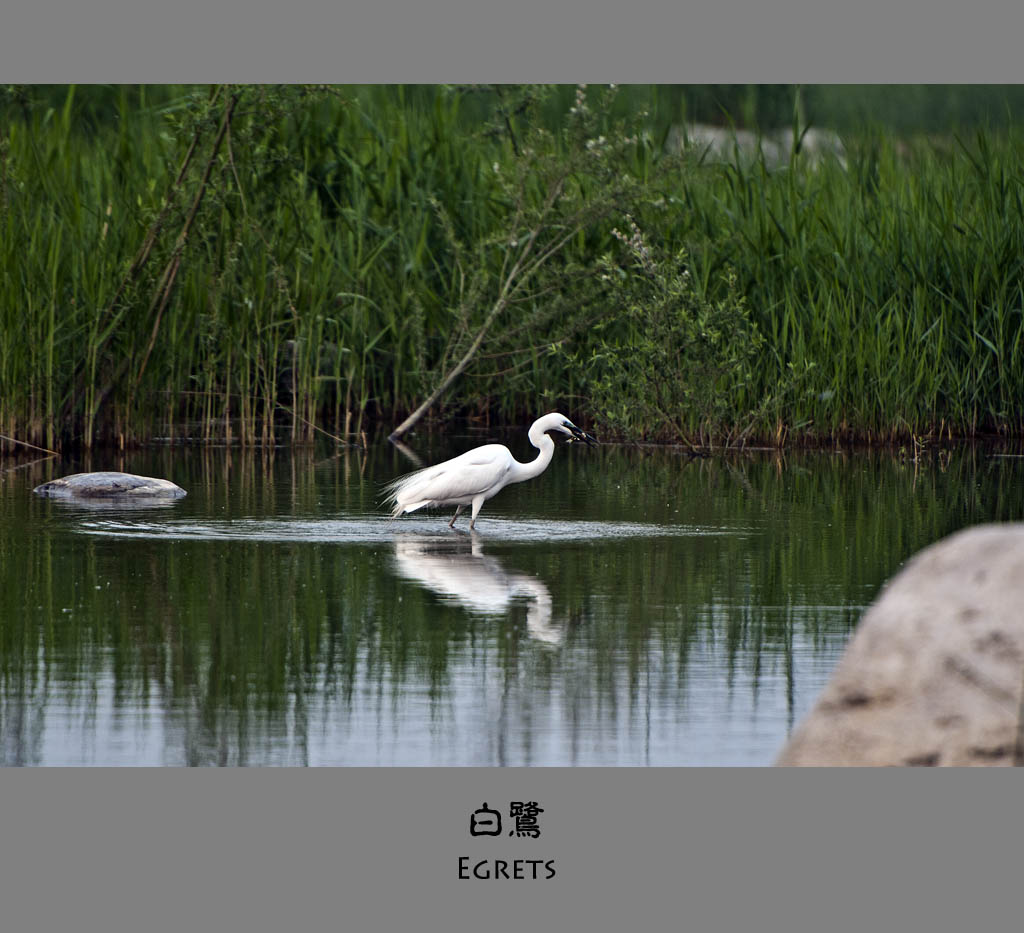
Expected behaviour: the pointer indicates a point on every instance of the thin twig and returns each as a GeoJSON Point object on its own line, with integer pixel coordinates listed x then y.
{"type": "Point", "coordinates": [171, 271]}
{"type": "Point", "coordinates": [14, 440]}
{"type": "Point", "coordinates": [316, 427]}
{"type": "Point", "coordinates": [141, 257]}
{"type": "Point", "coordinates": [22, 466]}
{"type": "Point", "coordinates": [510, 286]}
{"type": "Point", "coordinates": [408, 452]}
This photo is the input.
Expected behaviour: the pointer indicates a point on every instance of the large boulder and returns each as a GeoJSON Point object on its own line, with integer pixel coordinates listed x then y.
{"type": "Point", "coordinates": [109, 486]}
{"type": "Point", "coordinates": [934, 673]}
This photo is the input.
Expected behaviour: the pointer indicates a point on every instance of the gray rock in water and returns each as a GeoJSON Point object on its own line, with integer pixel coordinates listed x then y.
{"type": "Point", "coordinates": [934, 674]}
{"type": "Point", "coordinates": [109, 486]}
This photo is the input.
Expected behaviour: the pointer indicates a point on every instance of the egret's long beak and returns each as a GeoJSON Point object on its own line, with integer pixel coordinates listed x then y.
{"type": "Point", "coordinates": [578, 435]}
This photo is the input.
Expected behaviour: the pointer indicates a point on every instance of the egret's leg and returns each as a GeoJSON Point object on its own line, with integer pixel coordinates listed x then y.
{"type": "Point", "coordinates": [458, 509]}
{"type": "Point", "coordinates": [477, 503]}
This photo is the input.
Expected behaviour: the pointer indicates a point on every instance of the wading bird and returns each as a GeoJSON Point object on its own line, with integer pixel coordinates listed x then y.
{"type": "Point", "coordinates": [473, 477]}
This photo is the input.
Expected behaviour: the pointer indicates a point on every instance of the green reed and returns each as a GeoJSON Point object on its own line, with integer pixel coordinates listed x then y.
{"type": "Point", "coordinates": [263, 264]}
{"type": "Point", "coordinates": [891, 285]}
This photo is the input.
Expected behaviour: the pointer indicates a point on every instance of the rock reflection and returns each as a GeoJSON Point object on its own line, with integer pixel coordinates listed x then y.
{"type": "Point", "coordinates": [112, 504]}
{"type": "Point", "coordinates": [456, 568]}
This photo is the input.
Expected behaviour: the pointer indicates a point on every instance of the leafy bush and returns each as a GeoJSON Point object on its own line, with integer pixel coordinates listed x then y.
{"type": "Point", "coordinates": [671, 363]}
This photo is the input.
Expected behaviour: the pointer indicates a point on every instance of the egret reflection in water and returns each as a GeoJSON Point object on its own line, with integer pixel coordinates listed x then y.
{"type": "Point", "coordinates": [457, 569]}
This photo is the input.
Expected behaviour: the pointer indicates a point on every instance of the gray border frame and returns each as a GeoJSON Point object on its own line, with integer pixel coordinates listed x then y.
{"type": "Point", "coordinates": [372, 849]}
{"type": "Point", "coordinates": [730, 41]}
{"type": "Point", "coordinates": [368, 850]}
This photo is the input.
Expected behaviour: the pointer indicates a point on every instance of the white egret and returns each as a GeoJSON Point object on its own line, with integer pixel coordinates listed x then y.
{"type": "Point", "coordinates": [473, 477]}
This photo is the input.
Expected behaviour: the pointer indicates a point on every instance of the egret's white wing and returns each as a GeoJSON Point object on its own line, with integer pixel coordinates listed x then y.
{"type": "Point", "coordinates": [465, 476]}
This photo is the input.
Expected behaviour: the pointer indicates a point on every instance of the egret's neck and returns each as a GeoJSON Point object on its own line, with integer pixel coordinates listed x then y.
{"type": "Point", "coordinates": [546, 446]}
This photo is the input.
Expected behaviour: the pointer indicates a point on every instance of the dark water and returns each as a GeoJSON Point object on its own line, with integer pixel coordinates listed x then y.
{"type": "Point", "coordinates": [629, 607]}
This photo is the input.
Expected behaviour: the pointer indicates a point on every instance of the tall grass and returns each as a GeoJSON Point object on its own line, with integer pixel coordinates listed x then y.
{"type": "Point", "coordinates": [892, 285]}
{"type": "Point", "coordinates": [306, 283]}
{"type": "Point", "coordinates": [262, 264]}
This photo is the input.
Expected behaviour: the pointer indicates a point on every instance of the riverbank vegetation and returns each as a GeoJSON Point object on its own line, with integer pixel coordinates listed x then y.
{"type": "Point", "coordinates": [262, 265]}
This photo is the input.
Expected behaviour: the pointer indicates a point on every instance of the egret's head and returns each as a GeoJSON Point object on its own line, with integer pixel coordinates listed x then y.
{"type": "Point", "coordinates": [576, 434]}
{"type": "Point", "coordinates": [553, 421]}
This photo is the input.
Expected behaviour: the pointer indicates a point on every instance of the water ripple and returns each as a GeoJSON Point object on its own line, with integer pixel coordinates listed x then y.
{"type": "Point", "coordinates": [373, 529]}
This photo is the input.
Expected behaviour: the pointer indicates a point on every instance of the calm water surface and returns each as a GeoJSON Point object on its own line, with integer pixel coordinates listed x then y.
{"type": "Point", "coordinates": [629, 607]}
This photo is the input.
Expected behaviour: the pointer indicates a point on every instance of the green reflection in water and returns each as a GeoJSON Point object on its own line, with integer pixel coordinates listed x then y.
{"type": "Point", "coordinates": [628, 607]}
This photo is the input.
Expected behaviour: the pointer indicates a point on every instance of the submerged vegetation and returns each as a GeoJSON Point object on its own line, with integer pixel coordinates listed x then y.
{"type": "Point", "coordinates": [261, 264]}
